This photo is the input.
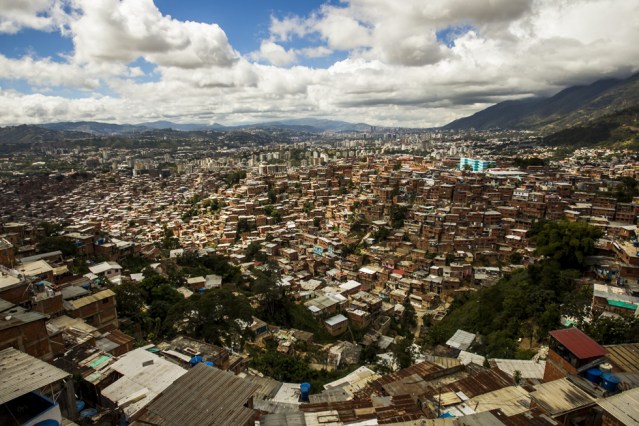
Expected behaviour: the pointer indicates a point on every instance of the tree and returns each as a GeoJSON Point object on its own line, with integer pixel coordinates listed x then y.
{"type": "Point", "coordinates": [51, 228]}
{"type": "Point", "coordinates": [49, 244]}
{"type": "Point", "coordinates": [253, 252]}
{"type": "Point", "coordinates": [169, 241]}
{"type": "Point", "coordinates": [220, 316]}
{"type": "Point", "coordinates": [402, 352]}
{"type": "Point", "coordinates": [566, 242]}
{"type": "Point", "coordinates": [626, 190]}
{"type": "Point", "coordinates": [381, 234]}
{"type": "Point", "coordinates": [501, 345]}
{"type": "Point", "coordinates": [609, 330]}
{"type": "Point", "coordinates": [130, 298]}
{"type": "Point", "coordinates": [308, 206]}
{"type": "Point", "coordinates": [523, 163]}
{"type": "Point", "coordinates": [272, 196]}
{"type": "Point", "coordinates": [398, 215]}
{"type": "Point", "coordinates": [517, 377]}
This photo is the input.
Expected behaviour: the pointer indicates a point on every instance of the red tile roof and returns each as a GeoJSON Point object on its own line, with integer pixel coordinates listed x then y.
{"type": "Point", "coordinates": [577, 342]}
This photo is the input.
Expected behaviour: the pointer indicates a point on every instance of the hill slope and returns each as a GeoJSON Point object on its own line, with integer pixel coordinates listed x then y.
{"type": "Point", "coordinates": [619, 129]}
{"type": "Point", "coordinates": [571, 107]}
{"type": "Point", "coordinates": [30, 133]}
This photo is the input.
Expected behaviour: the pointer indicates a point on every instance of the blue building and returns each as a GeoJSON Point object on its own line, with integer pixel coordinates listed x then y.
{"type": "Point", "coordinates": [476, 164]}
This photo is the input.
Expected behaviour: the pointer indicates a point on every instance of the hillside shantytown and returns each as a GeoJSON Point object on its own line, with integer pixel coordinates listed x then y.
{"type": "Point", "coordinates": [408, 278]}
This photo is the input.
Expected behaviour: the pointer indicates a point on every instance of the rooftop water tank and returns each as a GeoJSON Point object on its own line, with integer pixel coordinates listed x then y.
{"type": "Point", "coordinates": [195, 360]}
{"type": "Point", "coordinates": [605, 367]}
{"type": "Point", "coordinates": [593, 374]}
{"type": "Point", "coordinates": [209, 363]}
{"type": "Point", "coordinates": [305, 390]}
{"type": "Point", "coordinates": [609, 382]}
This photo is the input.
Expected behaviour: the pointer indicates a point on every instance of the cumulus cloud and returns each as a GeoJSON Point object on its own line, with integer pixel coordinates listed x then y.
{"type": "Point", "coordinates": [43, 15]}
{"type": "Point", "coordinates": [274, 53]}
{"type": "Point", "coordinates": [412, 63]}
{"type": "Point", "coordinates": [124, 30]}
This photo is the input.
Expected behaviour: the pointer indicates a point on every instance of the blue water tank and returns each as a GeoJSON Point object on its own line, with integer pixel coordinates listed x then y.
{"type": "Point", "coordinates": [593, 374]}
{"type": "Point", "coordinates": [305, 390]}
{"type": "Point", "coordinates": [209, 363]}
{"type": "Point", "coordinates": [635, 243]}
{"type": "Point", "coordinates": [48, 422]}
{"type": "Point", "coordinates": [609, 382]}
{"type": "Point", "coordinates": [195, 360]}
{"type": "Point", "coordinates": [79, 405]}
{"type": "Point", "coordinates": [88, 412]}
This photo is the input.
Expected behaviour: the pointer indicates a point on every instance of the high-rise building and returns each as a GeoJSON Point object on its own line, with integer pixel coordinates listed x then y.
{"type": "Point", "coordinates": [475, 164]}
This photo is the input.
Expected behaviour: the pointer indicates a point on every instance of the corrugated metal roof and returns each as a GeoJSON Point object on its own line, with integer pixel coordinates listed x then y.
{"type": "Point", "coordinates": [623, 407]}
{"type": "Point", "coordinates": [145, 376]}
{"type": "Point", "coordinates": [21, 373]}
{"type": "Point", "coordinates": [479, 419]}
{"type": "Point", "coordinates": [511, 400]}
{"type": "Point", "coordinates": [560, 396]}
{"type": "Point", "coordinates": [283, 419]}
{"type": "Point", "coordinates": [422, 369]}
{"type": "Point", "coordinates": [528, 369]}
{"type": "Point", "coordinates": [577, 342]}
{"type": "Point", "coordinates": [203, 396]}
{"type": "Point", "coordinates": [625, 356]}
{"type": "Point", "coordinates": [461, 340]}
{"type": "Point", "coordinates": [77, 304]}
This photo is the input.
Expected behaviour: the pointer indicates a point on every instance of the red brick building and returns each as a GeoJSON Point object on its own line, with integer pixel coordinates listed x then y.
{"type": "Point", "coordinates": [570, 350]}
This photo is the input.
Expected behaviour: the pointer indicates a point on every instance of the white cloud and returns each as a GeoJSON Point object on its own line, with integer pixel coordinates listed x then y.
{"type": "Point", "coordinates": [124, 30]}
{"type": "Point", "coordinates": [396, 72]}
{"type": "Point", "coordinates": [43, 15]}
{"type": "Point", "coordinates": [315, 52]}
{"type": "Point", "coordinates": [274, 53]}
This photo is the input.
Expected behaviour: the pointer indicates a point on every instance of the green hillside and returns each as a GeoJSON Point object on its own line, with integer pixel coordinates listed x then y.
{"type": "Point", "coordinates": [618, 129]}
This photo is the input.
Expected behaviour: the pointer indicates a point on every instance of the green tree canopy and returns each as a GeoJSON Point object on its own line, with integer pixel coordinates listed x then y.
{"type": "Point", "coordinates": [66, 246]}
{"type": "Point", "coordinates": [566, 242]}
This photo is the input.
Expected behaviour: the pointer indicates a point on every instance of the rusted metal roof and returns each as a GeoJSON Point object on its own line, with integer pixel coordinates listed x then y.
{"type": "Point", "coordinates": [21, 373]}
{"type": "Point", "coordinates": [474, 384]}
{"type": "Point", "coordinates": [578, 343]}
{"type": "Point", "coordinates": [560, 397]}
{"type": "Point", "coordinates": [87, 300]}
{"type": "Point", "coordinates": [624, 406]}
{"type": "Point", "coordinates": [625, 356]}
{"type": "Point", "coordinates": [396, 409]}
{"type": "Point", "coordinates": [203, 396]}
{"type": "Point", "coordinates": [423, 369]}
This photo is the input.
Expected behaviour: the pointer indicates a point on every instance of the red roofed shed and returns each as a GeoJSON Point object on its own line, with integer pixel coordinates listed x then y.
{"type": "Point", "coordinates": [578, 343]}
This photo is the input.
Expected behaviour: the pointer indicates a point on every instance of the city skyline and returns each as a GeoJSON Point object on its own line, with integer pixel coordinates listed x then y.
{"type": "Point", "coordinates": [384, 63]}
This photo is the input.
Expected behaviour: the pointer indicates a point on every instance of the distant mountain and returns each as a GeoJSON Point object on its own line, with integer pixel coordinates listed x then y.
{"type": "Point", "coordinates": [31, 133]}
{"type": "Point", "coordinates": [619, 129]}
{"type": "Point", "coordinates": [95, 128]}
{"type": "Point", "coordinates": [180, 127]}
{"type": "Point", "coordinates": [316, 125]}
{"type": "Point", "coordinates": [304, 124]}
{"type": "Point", "coordinates": [573, 106]}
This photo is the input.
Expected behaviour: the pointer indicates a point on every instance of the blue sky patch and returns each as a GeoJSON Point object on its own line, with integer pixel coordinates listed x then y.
{"type": "Point", "coordinates": [449, 34]}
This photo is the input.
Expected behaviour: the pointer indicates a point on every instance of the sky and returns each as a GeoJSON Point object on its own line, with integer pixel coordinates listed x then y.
{"type": "Point", "coordinates": [408, 63]}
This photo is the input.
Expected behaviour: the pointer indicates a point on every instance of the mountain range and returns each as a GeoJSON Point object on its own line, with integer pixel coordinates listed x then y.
{"type": "Point", "coordinates": [305, 124]}
{"type": "Point", "coordinates": [598, 113]}
{"type": "Point", "coordinates": [573, 106]}
{"type": "Point", "coordinates": [55, 132]}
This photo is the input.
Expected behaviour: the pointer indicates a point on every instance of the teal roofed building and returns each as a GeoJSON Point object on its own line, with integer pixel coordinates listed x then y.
{"type": "Point", "coordinates": [475, 164]}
